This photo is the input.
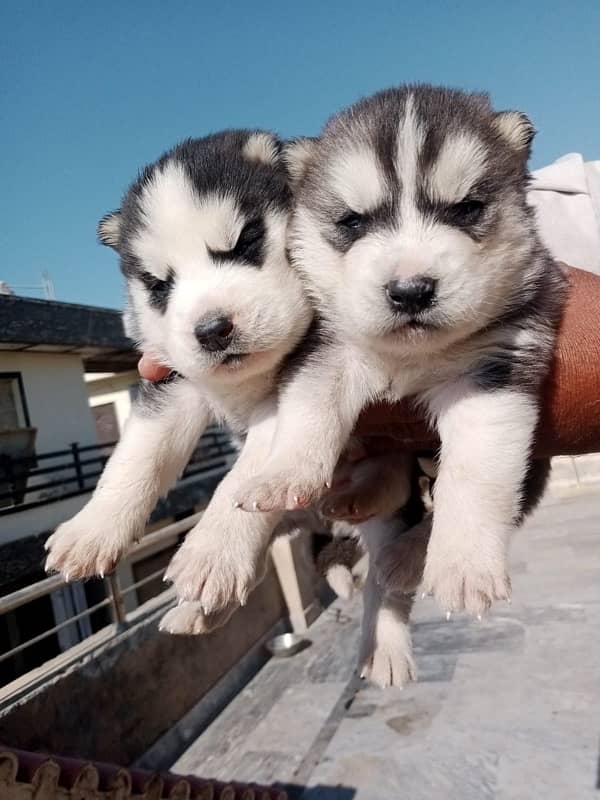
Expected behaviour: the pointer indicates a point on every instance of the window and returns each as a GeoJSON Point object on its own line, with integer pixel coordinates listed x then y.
{"type": "Point", "coordinates": [13, 408]}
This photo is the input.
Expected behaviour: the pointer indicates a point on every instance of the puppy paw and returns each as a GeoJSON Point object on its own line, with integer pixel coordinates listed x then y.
{"type": "Point", "coordinates": [341, 580]}
{"type": "Point", "coordinates": [283, 489]}
{"type": "Point", "coordinates": [390, 661]}
{"type": "Point", "coordinates": [216, 571]}
{"type": "Point", "coordinates": [92, 543]}
{"type": "Point", "coordinates": [374, 487]}
{"type": "Point", "coordinates": [461, 585]}
{"type": "Point", "coordinates": [351, 506]}
{"type": "Point", "coordinates": [189, 619]}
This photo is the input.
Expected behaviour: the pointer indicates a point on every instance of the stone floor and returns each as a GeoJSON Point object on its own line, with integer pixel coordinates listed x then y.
{"type": "Point", "coordinates": [507, 709]}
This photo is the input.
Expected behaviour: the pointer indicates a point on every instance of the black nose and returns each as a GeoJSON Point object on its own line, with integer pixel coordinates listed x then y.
{"type": "Point", "coordinates": [411, 296]}
{"type": "Point", "coordinates": [214, 334]}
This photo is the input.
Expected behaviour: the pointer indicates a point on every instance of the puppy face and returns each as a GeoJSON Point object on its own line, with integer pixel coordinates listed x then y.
{"type": "Point", "coordinates": [411, 225]}
{"type": "Point", "coordinates": [201, 235]}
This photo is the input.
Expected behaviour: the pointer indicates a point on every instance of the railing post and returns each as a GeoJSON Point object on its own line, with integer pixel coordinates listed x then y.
{"type": "Point", "coordinates": [118, 605]}
{"type": "Point", "coordinates": [10, 479]}
{"type": "Point", "coordinates": [77, 463]}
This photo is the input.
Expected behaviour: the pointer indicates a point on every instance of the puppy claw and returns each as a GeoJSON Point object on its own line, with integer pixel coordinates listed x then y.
{"type": "Point", "coordinates": [281, 489]}
{"type": "Point", "coordinates": [189, 618]}
{"type": "Point", "coordinates": [90, 544]}
{"type": "Point", "coordinates": [211, 576]}
{"type": "Point", "coordinates": [461, 587]}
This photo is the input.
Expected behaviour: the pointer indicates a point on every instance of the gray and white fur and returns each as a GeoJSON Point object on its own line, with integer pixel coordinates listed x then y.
{"type": "Point", "coordinates": [414, 239]}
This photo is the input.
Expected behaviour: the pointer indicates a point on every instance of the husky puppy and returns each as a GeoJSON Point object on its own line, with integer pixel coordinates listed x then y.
{"type": "Point", "coordinates": [201, 236]}
{"type": "Point", "coordinates": [413, 236]}
{"type": "Point", "coordinates": [371, 490]}
{"type": "Point", "coordinates": [394, 545]}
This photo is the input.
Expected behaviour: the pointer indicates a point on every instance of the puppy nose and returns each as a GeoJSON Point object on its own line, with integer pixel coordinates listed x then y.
{"type": "Point", "coordinates": [214, 334]}
{"type": "Point", "coordinates": [411, 296]}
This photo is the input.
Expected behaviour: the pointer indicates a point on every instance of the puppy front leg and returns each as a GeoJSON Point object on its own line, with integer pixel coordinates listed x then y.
{"type": "Point", "coordinates": [400, 563]}
{"type": "Point", "coordinates": [156, 445]}
{"type": "Point", "coordinates": [486, 440]}
{"type": "Point", "coordinates": [224, 556]}
{"type": "Point", "coordinates": [316, 414]}
{"type": "Point", "coordinates": [385, 654]}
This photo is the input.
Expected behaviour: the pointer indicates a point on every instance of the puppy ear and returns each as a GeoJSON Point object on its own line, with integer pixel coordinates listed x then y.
{"type": "Point", "coordinates": [516, 129]}
{"type": "Point", "coordinates": [263, 147]}
{"type": "Point", "coordinates": [298, 155]}
{"type": "Point", "coordinates": [109, 230]}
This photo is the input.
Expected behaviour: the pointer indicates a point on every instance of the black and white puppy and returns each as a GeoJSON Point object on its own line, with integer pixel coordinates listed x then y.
{"type": "Point", "coordinates": [201, 236]}
{"type": "Point", "coordinates": [414, 239]}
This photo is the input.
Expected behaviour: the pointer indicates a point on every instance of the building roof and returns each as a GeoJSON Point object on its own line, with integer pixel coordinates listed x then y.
{"type": "Point", "coordinates": [47, 326]}
{"type": "Point", "coordinates": [23, 774]}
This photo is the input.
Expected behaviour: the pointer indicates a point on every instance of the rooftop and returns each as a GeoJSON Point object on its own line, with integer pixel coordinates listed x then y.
{"type": "Point", "coordinates": [506, 709]}
{"type": "Point", "coordinates": [47, 326]}
{"type": "Point", "coordinates": [22, 774]}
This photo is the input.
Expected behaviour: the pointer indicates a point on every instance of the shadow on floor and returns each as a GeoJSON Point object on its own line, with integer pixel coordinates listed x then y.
{"type": "Point", "coordinates": [320, 792]}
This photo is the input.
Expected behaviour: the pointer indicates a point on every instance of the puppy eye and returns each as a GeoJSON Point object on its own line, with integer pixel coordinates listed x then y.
{"type": "Point", "coordinates": [156, 285]}
{"type": "Point", "coordinates": [467, 212]}
{"type": "Point", "coordinates": [249, 239]}
{"type": "Point", "coordinates": [352, 222]}
{"type": "Point", "coordinates": [249, 246]}
{"type": "Point", "coordinates": [159, 289]}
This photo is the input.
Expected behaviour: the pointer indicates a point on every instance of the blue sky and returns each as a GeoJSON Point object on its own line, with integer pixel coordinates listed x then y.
{"type": "Point", "coordinates": [89, 92]}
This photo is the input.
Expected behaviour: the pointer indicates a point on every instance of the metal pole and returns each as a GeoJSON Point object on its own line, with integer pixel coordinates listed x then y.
{"type": "Point", "coordinates": [117, 601]}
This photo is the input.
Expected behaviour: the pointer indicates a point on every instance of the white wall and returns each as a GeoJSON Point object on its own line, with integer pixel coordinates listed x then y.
{"type": "Point", "coordinates": [56, 397]}
{"type": "Point", "coordinates": [57, 401]}
{"type": "Point", "coordinates": [32, 521]}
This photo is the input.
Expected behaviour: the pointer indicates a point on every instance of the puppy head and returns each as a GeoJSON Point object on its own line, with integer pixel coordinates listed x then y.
{"type": "Point", "coordinates": [411, 223]}
{"type": "Point", "coordinates": [202, 240]}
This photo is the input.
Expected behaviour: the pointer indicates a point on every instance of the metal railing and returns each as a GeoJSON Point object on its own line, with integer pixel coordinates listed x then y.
{"type": "Point", "coordinates": [115, 593]}
{"type": "Point", "coordinates": [48, 477]}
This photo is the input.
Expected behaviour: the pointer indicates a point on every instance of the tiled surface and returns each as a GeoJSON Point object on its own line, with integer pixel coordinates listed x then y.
{"type": "Point", "coordinates": [507, 709]}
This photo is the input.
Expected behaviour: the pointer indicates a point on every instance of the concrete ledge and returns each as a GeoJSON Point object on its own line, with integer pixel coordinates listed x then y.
{"type": "Point", "coordinates": [574, 472]}
{"type": "Point", "coordinates": [167, 749]}
{"type": "Point", "coordinates": [115, 703]}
